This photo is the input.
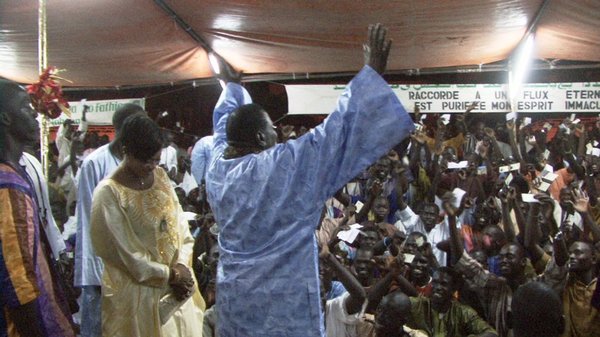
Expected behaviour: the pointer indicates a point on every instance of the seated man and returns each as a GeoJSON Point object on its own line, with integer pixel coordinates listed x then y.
{"type": "Point", "coordinates": [582, 316]}
{"type": "Point", "coordinates": [391, 317]}
{"type": "Point", "coordinates": [430, 223]}
{"type": "Point", "coordinates": [419, 274]}
{"type": "Point", "coordinates": [442, 316]}
{"type": "Point", "coordinates": [537, 311]}
{"type": "Point", "coordinates": [496, 292]}
{"type": "Point", "coordinates": [342, 314]}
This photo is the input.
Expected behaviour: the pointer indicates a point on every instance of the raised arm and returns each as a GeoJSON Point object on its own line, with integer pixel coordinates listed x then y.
{"type": "Point", "coordinates": [491, 135]}
{"type": "Point", "coordinates": [456, 245]}
{"type": "Point", "coordinates": [510, 127]}
{"type": "Point", "coordinates": [519, 216]}
{"type": "Point", "coordinates": [357, 293]}
{"type": "Point", "coordinates": [232, 97]}
{"type": "Point", "coordinates": [373, 193]}
{"type": "Point", "coordinates": [582, 139]}
{"type": "Point", "coordinates": [531, 237]}
{"type": "Point", "coordinates": [382, 286]}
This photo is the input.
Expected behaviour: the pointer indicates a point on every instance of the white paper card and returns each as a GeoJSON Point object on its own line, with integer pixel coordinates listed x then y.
{"type": "Point", "coordinates": [511, 116]}
{"type": "Point", "coordinates": [503, 169]}
{"type": "Point", "coordinates": [550, 177]}
{"type": "Point", "coordinates": [515, 166]}
{"type": "Point", "coordinates": [589, 150]}
{"type": "Point", "coordinates": [544, 186]}
{"type": "Point", "coordinates": [596, 152]}
{"type": "Point", "coordinates": [349, 235]}
{"type": "Point", "coordinates": [481, 170]}
{"type": "Point", "coordinates": [359, 205]}
{"type": "Point", "coordinates": [445, 119]}
{"type": "Point", "coordinates": [462, 164]}
{"type": "Point", "coordinates": [508, 179]}
{"type": "Point", "coordinates": [596, 143]}
{"type": "Point", "coordinates": [458, 195]}
{"type": "Point", "coordinates": [547, 169]}
{"type": "Point", "coordinates": [546, 154]}
{"type": "Point", "coordinates": [419, 241]}
{"type": "Point", "coordinates": [356, 226]}
{"type": "Point", "coordinates": [408, 258]}
{"type": "Point", "coordinates": [528, 197]}
{"type": "Point", "coordinates": [526, 121]}
{"type": "Point", "coordinates": [572, 117]}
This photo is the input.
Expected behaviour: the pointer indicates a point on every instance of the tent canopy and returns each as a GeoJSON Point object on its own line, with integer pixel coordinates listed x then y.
{"type": "Point", "coordinates": [138, 42]}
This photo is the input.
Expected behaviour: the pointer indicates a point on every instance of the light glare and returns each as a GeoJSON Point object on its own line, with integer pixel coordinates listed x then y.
{"type": "Point", "coordinates": [214, 63]}
{"type": "Point", "coordinates": [521, 62]}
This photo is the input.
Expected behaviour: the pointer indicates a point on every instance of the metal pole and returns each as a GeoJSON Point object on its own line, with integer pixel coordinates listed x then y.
{"type": "Point", "coordinates": [42, 64]}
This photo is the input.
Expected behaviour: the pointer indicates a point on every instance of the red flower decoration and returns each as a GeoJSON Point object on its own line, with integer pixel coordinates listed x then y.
{"type": "Point", "coordinates": [47, 95]}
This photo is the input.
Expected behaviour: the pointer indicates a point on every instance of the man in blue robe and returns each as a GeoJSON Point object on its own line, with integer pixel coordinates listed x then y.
{"type": "Point", "coordinates": [268, 198]}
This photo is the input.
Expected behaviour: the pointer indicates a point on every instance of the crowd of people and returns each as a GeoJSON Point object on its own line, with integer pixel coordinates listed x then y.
{"type": "Point", "coordinates": [375, 223]}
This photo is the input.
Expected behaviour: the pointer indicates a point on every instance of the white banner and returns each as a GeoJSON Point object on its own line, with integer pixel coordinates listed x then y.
{"type": "Point", "coordinates": [99, 112]}
{"type": "Point", "coordinates": [444, 98]}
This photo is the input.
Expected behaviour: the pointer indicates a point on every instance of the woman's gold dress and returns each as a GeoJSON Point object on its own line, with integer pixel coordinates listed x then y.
{"type": "Point", "coordinates": [138, 235]}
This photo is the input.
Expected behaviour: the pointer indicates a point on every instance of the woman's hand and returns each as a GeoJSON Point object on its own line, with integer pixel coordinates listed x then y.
{"type": "Point", "coordinates": [181, 281]}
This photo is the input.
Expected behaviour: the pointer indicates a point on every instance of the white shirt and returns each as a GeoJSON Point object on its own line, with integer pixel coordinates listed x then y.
{"type": "Point", "coordinates": [64, 145]}
{"type": "Point", "coordinates": [338, 323]}
{"type": "Point", "coordinates": [560, 216]}
{"type": "Point", "coordinates": [201, 155]}
{"type": "Point", "coordinates": [95, 167]}
{"type": "Point", "coordinates": [441, 232]}
{"type": "Point", "coordinates": [168, 157]}
{"type": "Point", "coordinates": [34, 171]}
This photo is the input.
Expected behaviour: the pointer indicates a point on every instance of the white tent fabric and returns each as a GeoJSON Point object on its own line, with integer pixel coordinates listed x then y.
{"type": "Point", "coordinates": [135, 42]}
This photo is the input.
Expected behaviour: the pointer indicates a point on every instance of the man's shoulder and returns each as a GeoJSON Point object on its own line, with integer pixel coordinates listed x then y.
{"type": "Point", "coordinates": [28, 157]}
{"type": "Point", "coordinates": [98, 164]}
{"type": "Point", "coordinates": [418, 300]}
{"type": "Point", "coordinates": [98, 155]}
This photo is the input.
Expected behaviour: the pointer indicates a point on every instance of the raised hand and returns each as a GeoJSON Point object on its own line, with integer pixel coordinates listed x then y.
{"type": "Point", "coordinates": [393, 155]}
{"type": "Point", "coordinates": [350, 210]}
{"type": "Point", "coordinates": [511, 195]}
{"type": "Point", "coordinates": [375, 189]}
{"type": "Point", "coordinates": [417, 112]}
{"type": "Point", "coordinates": [419, 137]}
{"type": "Point", "coordinates": [377, 48]}
{"type": "Point", "coordinates": [489, 132]}
{"type": "Point", "coordinates": [447, 204]}
{"type": "Point", "coordinates": [580, 201]}
{"type": "Point", "coordinates": [395, 264]}
{"type": "Point", "coordinates": [286, 131]}
{"type": "Point", "coordinates": [227, 73]}
{"type": "Point", "coordinates": [510, 125]}
{"type": "Point", "coordinates": [471, 107]}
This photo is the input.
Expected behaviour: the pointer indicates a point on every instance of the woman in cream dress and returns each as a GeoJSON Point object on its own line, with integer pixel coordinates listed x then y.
{"type": "Point", "coordinates": [145, 244]}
